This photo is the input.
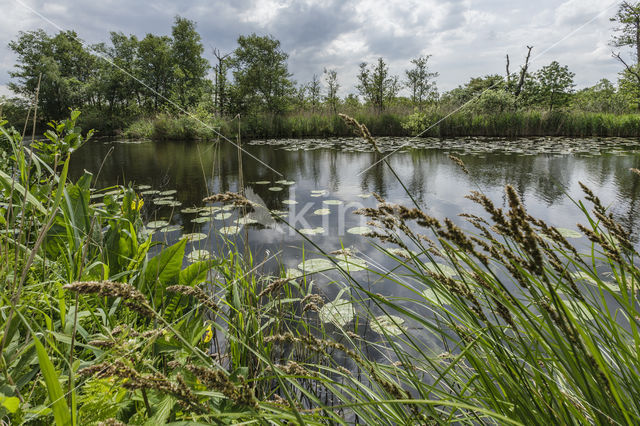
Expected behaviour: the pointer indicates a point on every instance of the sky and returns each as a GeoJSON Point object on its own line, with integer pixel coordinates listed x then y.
{"type": "Point", "coordinates": [466, 38]}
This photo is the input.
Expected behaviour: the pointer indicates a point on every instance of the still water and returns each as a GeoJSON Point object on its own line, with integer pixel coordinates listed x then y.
{"type": "Point", "coordinates": [316, 185]}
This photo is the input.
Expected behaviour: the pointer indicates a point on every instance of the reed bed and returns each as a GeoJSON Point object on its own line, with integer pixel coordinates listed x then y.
{"type": "Point", "coordinates": [509, 322]}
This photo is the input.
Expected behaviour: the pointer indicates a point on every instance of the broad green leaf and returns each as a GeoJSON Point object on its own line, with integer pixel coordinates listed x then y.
{"type": "Point", "coordinates": [58, 402]}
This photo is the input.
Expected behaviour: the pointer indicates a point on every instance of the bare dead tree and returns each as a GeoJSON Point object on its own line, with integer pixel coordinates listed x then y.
{"type": "Point", "coordinates": [523, 72]}
{"type": "Point", "coordinates": [220, 80]}
{"type": "Point", "coordinates": [508, 73]}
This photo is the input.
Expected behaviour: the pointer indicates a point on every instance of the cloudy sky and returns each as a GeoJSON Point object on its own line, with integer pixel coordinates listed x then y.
{"type": "Point", "coordinates": [466, 38]}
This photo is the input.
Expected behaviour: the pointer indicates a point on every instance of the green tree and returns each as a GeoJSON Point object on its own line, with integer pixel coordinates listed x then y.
{"type": "Point", "coordinates": [376, 85]}
{"type": "Point", "coordinates": [554, 85]}
{"type": "Point", "coordinates": [331, 98]}
{"type": "Point", "coordinates": [65, 65]}
{"type": "Point", "coordinates": [419, 81]}
{"type": "Point", "coordinates": [459, 96]}
{"type": "Point", "coordinates": [156, 70]}
{"type": "Point", "coordinates": [313, 88]}
{"type": "Point", "coordinates": [601, 97]}
{"type": "Point", "coordinates": [627, 34]}
{"type": "Point", "coordinates": [189, 66]}
{"type": "Point", "coordinates": [261, 75]}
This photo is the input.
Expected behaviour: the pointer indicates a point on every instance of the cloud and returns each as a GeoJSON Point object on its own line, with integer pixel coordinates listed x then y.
{"type": "Point", "coordinates": [466, 38]}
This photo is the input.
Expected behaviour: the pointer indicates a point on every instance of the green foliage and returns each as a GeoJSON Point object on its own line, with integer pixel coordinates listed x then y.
{"type": "Point", "coordinates": [419, 81]}
{"type": "Point", "coordinates": [376, 86]}
{"type": "Point", "coordinates": [262, 79]}
{"type": "Point", "coordinates": [554, 85]}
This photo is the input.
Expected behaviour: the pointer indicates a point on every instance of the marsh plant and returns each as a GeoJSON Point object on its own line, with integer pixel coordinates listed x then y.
{"type": "Point", "coordinates": [502, 321]}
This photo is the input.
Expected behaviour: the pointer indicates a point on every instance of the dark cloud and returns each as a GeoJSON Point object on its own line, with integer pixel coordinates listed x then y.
{"type": "Point", "coordinates": [466, 37]}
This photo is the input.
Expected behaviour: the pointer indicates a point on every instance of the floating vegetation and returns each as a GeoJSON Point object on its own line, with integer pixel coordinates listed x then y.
{"type": "Point", "coordinates": [169, 192]}
{"type": "Point", "coordinates": [433, 296]}
{"type": "Point", "coordinates": [199, 256]}
{"type": "Point", "coordinates": [586, 277]}
{"type": "Point", "coordinates": [352, 264]}
{"type": "Point", "coordinates": [289, 202]}
{"type": "Point", "coordinates": [113, 192]}
{"type": "Point", "coordinates": [364, 195]}
{"type": "Point", "coordinates": [319, 192]}
{"type": "Point", "coordinates": [245, 221]}
{"type": "Point", "coordinates": [285, 182]}
{"type": "Point", "coordinates": [293, 273]}
{"type": "Point", "coordinates": [389, 324]}
{"type": "Point", "coordinates": [310, 266]}
{"type": "Point", "coordinates": [230, 230]}
{"type": "Point", "coordinates": [150, 192]}
{"type": "Point", "coordinates": [359, 230]}
{"type": "Point", "coordinates": [94, 196]}
{"type": "Point", "coordinates": [143, 187]}
{"type": "Point", "coordinates": [332, 202]}
{"type": "Point", "coordinates": [170, 203]}
{"type": "Point", "coordinates": [275, 188]}
{"type": "Point", "coordinates": [157, 224]}
{"type": "Point", "coordinates": [340, 312]}
{"type": "Point", "coordinates": [195, 236]}
{"type": "Point", "coordinates": [190, 210]}
{"type": "Point", "coordinates": [171, 228]}
{"type": "Point", "coordinates": [440, 268]}
{"type": "Point", "coordinates": [263, 182]}
{"type": "Point", "coordinates": [322, 212]}
{"type": "Point", "coordinates": [569, 233]}
{"type": "Point", "coordinates": [400, 252]}
{"type": "Point", "coordinates": [201, 219]}
{"type": "Point", "coordinates": [311, 231]}
{"type": "Point", "coordinates": [227, 207]}
{"type": "Point", "coordinates": [579, 309]}
{"type": "Point", "coordinates": [223, 216]}
{"type": "Point", "coordinates": [209, 210]}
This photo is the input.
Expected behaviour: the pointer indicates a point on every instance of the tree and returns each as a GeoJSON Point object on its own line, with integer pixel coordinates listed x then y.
{"type": "Point", "coordinates": [420, 81]}
{"type": "Point", "coordinates": [471, 90]}
{"type": "Point", "coordinates": [66, 67]}
{"type": "Point", "coordinates": [261, 75]}
{"type": "Point", "coordinates": [627, 34]}
{"type": "Point", "coordinates": [331, 80]}
{"type": "Point", "coordinates": [189, 67]}
{"type": "Point", "coordinates": [156, 69]}
{"type": "Point", "coordinates": [555, 85]}
{"type": "Point", "coordinates": [220, 85]}
{"type": "Point", "coordinates": [376, 85]}
{"type": "Point", "coordinates": [313, 88]}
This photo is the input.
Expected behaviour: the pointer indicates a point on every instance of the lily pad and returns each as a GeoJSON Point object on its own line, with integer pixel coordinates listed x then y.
{"type": "Point", "coordinates": [433, 296]}
{"type": "Point", "coordinates": [311, 231]}
{"type": "Point", "coordinates": [400, 252]}
{"type": "Point", "coordinates": [223, 216]}
{"type": "Point", "coordinates": [171, 228]}
{"type": "Point", "coordinates": [150, 192]}
{"type": "Point", "coordinates": [230, 230]}
{"type": "Point", "coordinates": [359, 230]}
{"type": "Point", "coordinates": [322, 212]}
{"type": "Point", "coordinates": [319, 193]}
{"type": "Point", "coordinates": [245, 221]}
{"type": "Point", "coordinates": [439, 268]}
{"type": "Point", "coordinates": [170, 203]}
{"type": "Point", "coordinates": [332, 202]}
{"type": "Point", "coordinates": [364, 195]}
{"type": "Point", "coordinates": [143, 187]}
{"type": "Point", "coordinates": [190, 210]}
{"type": "Point", "coordinates": [289, 202]}
{"type": "Point", "coordinates": [339, 312]}
{"type": "Point", "coordinates": [169, 192]}
{"type": "Point", "coordinates": [195, 236]}
{"type": "Point", "coordinates": [352, 264]}
{"type": "Point", "coordinates": [311, 266]}
{"type": "Point", "coordinates": [199, 255]}
{"type": "Point", "coordinates": [293, 273]}
{"type": "Point", "coordinates": [201, 219]}
{"type": "Point", "coordinates": [391, 324]}
{"type": "Point", "coordinates": [275, 188]}
{"type": "Point", "coordinates": [569, 233]}
{"type": "Point", "coordinates": [157, 224]}
{"type": "Point", "coordinates": [205, 211]}
{"type": "Point", "coordinates": [583, 276]}
{"type": "Point", "coordinates": [263, 182]}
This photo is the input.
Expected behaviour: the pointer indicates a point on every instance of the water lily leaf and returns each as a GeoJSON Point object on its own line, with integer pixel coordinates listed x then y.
{"type": "Point", "coordinates": [364, 195]}
{"type": "Point", "coordinates": [149, 192]}
{"type": "Point", "coordinates": [143, 187]}
{"type": "Point", "coordinates": [310, 266]}
{"type": "Point", "coordinates": [230, 230]}
{"type": "Point", "coordinates": [263, 182]}
{"type": "Point", "coordinates": [201, 219]}
{"type": "Point", "coordinates": [584, 276]}
{"type": "Point", "coordinates": [289, 202]}
{"type": "Point", "coordinates": [569, 233]}
{"type": "Point", "coordinates": [433, 296]}
{"type": "Point", "coordinates": [391, 324]}
{"type": "Point", "coordinates": [322, 212]}
{"type": "Point", "coordinates": [195, 236]}
{"type": "Point", "coordinates": [339, 312]}
{"type": "Point", "coordinates": [170, 203]}
{"type": "Point", "coordinates": [169, 192]}
{"type": "Point", "coordinates": [309, 231]}
{"type": "Point", "coordinates": [400, 252]}
{"type": "Point", "coordinates": [171, 228]}
{"type": "Point", "coordinates": [228, 207]}
{"type": "Point", "coordinates": [223, 216]}
{"type": "Point", "coordinates": [332, 202]}
{"type": "Point", "coordinates": [293, 273]}
{"type": "Point", "coordinates": [199, 256]}
{"type": "Point", "coordinates": [275, 188]}
{"type": "Point", "coordinates": [359, 230]}
{"type": "Point", "coordinates": [157, 224]}
{"type": "Point", "coordinates": [439, 268]}
{"type": "Point", "coordinates": [319, 193]}
{"type": "Point", "coordinates": [245, 221]}
{"type": "Point", "coordinates": [352, 264]}
{"type": "Point", "coordinates": [190, 210]}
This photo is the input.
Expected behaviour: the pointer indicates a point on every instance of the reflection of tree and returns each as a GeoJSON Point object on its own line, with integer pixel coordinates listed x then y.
{"type": "Point", "coordinates": [374, 177]}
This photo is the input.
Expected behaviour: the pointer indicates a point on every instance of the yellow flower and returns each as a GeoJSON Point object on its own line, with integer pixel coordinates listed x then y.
{"type": "Point", "coordinates": [208, 335]}
{"type": "Point", "coordinates": [137, 205]}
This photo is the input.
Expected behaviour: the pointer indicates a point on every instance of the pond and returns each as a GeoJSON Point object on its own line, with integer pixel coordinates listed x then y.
{"type": "Point", "coordinates": [316, 185]}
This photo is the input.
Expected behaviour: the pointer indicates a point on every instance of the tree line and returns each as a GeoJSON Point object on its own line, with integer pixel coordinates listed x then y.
{"type": "Point", "coordinates": [128, 77]}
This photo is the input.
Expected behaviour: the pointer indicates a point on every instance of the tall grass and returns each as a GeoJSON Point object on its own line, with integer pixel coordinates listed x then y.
{"type": "Point", "coordinates": [510, 324]}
